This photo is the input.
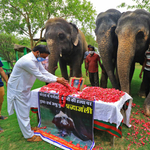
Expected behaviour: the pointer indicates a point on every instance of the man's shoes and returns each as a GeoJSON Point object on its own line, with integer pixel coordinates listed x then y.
{"type": "Point", "coordinates": [34, 138]}
{"type": "Point", "coordinates": [35, 128]}
{"type": "Point", "coordinates": [1, 130]}
{"type": "Point", "coordinates": [3, 117]}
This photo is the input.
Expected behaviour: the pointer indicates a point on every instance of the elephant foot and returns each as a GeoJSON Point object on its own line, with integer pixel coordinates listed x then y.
{"type": "Point", "coordinates": [142, 95]}
{"type": "Point", "coordinates": [147, 111]}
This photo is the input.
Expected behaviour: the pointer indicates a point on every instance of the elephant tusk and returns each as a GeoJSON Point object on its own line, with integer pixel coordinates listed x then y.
{"type": "Point", "coordinates": [61, 53]}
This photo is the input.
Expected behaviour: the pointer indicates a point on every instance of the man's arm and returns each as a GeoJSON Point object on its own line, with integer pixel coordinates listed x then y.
{"type": "Point", "coordinates": [103, 71]}
{"type": "Point", "coordinates": [87, 66]}
{"type": "Point", "coordinates": [42, 74]}
{"type": "Point", "coordinates": [100, 63]}
{"type": "Point", "coordinates": [3, 75]}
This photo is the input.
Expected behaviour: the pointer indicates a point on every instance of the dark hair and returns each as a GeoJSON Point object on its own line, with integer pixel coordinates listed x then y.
{"type": "Point", "coordinates": [41, 49]}
{"type": "Point", "coordinates": [89, 46]}
{"type": "Point", "coordinates": [92, 48]}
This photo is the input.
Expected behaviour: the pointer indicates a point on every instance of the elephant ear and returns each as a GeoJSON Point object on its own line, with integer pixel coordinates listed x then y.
{"type": "Point", "coordinates": [74, 34]}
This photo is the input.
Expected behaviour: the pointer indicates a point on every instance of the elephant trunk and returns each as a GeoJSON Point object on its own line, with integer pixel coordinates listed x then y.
{"type": "Point", "coordinates": [125, 56]}
{"type": "Point", "coordinates": [54, 55]}
{"type": "Point", "coordinates": [107, 52]}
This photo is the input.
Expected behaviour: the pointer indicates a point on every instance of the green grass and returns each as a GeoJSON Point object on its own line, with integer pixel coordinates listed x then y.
{"type": "Point", "coordinates": [12, 139]}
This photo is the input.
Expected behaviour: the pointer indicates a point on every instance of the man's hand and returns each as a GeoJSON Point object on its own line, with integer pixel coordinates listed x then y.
{"type": "Point", "coordinates": [62, 81]}
{"type": "Point", "coordinates": [140, 75]}
{"type": "Point", "coordinates": [103, 71]}
{"type": "Point", "coordinates": [86, 73]}
{"type": "Point", "coordinates": [55, 68]}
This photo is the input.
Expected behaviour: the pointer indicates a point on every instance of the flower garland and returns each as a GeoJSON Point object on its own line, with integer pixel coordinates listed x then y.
{"type": "Point", "coordinates": [63, 91]}
{"type": "Point", "coordinates": [72, 82]}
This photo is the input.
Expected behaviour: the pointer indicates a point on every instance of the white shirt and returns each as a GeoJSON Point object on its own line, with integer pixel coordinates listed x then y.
{"type": "Point", "coordinates": [147, 54]}
{"type": "Point", "coordinates": [22, 78]}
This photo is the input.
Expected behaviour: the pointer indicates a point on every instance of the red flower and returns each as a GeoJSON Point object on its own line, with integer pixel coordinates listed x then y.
{"type": "Point", "coordinates": [100, 94]}
{"type": "Point", "coordinates": [89, 93]}
{"type": "Point", "coordinates": [85, 147]}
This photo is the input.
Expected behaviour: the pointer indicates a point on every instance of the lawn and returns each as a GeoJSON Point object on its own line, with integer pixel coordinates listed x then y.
{"type": "Point", "coordinates": [136, 137]}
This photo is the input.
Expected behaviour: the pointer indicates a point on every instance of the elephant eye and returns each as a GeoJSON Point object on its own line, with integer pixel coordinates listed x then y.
{"type": "Point", "coordinates": [61, 36]}
{"type": "Point", "coordinates": [140, 37]}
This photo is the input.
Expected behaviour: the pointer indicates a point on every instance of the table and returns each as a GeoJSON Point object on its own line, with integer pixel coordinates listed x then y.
{"type": "Point", "coordinates": [107, 116]}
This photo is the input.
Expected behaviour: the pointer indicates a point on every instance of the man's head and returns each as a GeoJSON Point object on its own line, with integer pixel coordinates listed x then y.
{"type": "Point", "coordinates": [89, 47]}
{"type": "Point", "coordinates": [92, 50]}
{"type": "Point", "coordinates": [41, 51]}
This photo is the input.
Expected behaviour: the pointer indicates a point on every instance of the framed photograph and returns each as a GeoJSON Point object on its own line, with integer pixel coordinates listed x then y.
{"type": "Point", "coordinates": [76, 81]}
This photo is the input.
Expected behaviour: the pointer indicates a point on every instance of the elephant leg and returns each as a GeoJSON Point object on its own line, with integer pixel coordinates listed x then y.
{"type": "Point", "coordinates": [104, 79]}
{"type": "Point", "coordinates": [147, 105]}
{"type": "Point", "coordinates": [142, 90]}
{"type": "Point", "coordinates": [76, 69]}
{"type": "Point", "coordinates": [63, 68]}
{"type": "Point", "coordinates": [71, 73]}
{"type": "Point", "coordinates": [132, 71]}
{"type": "Point", "coordinates": [131, 75]}
{"type": "Point", "coordinates": [117, 79]}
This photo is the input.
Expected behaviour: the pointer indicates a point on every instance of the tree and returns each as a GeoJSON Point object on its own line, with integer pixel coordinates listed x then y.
{"type": "Point", "coordinates": [7, 51]}
{"type": "Point", "coordinates": [139, 4]}
{"type": "Point", "coordinates": [22, 41]}
{"type": "Point", "coordinates": [90, 39]}
{"type": "Point", "coordinates": [29, 16]}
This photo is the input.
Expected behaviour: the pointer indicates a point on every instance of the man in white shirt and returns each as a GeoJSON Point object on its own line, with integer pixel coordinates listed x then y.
{"type": "Point", "coordinates": [21, 80]}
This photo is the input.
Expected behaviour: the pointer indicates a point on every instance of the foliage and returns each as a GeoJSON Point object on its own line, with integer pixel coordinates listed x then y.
{"type": "Point", "coordinates": [29, 16]}
{"type": "Point", "coordinates": [22, 41]}
{"type": "Point", "coordinates": [89, 38]}
{"type": "Point", "coordinates": [7, 48]}
{"type": "Point", "coordinates": [7, 42]}
{"type": "Point", "coordinates": [139, 4]}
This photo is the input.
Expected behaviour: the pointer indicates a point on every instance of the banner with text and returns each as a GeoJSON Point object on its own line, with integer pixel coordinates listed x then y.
{"type": "Point", "coordinates": [70, 127]}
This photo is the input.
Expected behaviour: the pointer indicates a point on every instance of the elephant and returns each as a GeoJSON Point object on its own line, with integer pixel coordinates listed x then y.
{"type": "Point", "coordinates": [133, 31]}
{"type": "Point", "coordinates": [67, 45]}
{"type": "Point", "coordinates": [106, 38]}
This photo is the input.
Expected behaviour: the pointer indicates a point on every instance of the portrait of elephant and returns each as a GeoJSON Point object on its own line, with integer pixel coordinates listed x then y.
{"type": "Point", "coordinates": [67, 46]}
{"type": "Point", "coordinates": [106, 38]}
{"type": "Point", "coordinates": [133, 31]}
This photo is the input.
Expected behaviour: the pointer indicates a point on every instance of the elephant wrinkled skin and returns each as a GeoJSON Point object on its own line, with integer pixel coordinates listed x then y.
{"type": "Point", "coordinates": [106, 23]}
{"type": "Point", "coordinates": [133, 31]}
{"type": "Point", "coordinates": [67, 45]}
